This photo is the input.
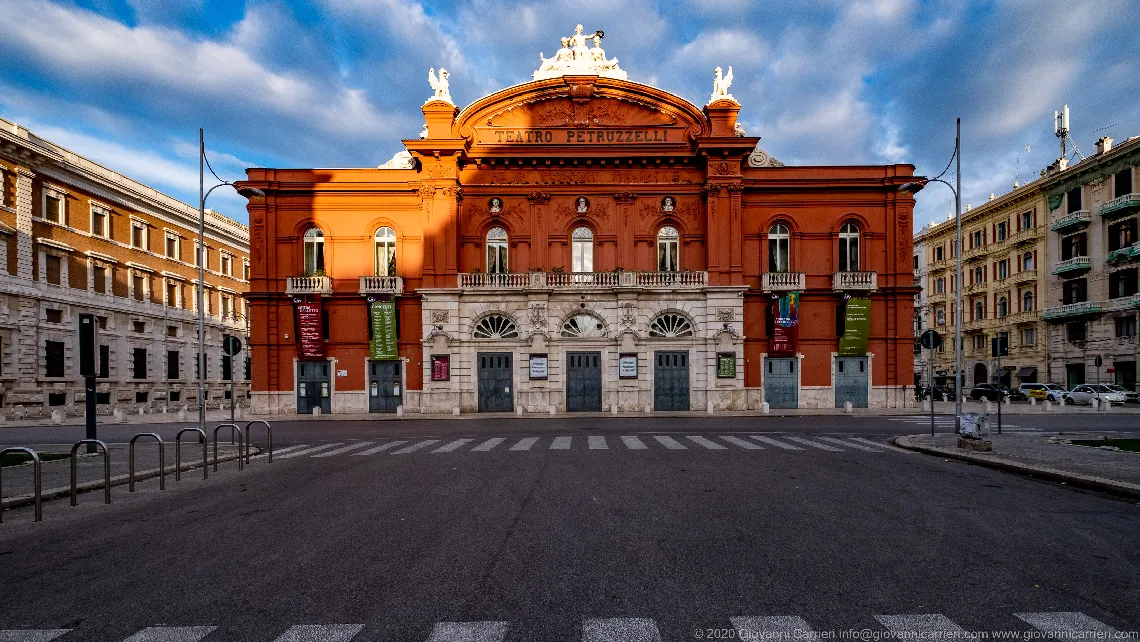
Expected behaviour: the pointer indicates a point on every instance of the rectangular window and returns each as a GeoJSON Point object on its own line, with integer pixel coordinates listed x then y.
{"type": "Point", "coordinates": [1122, 283]}
{"type": "Point", "coordinates": [1002, 231]}
{"type": "Point", "coordinates": [979, 342]}
{"type": "Point", "coordinates": [54, 270]}
{"type": "Point", "coordinates": [1003, 269]}
{"type": "Point", "coordinates": [102, 322]}
{"type": "Point", "coordinates": [247, 369]}
{"type": "Point", "coordinates": [939, 253]}
{"type": "Point", "coordinates": [54, 316]}
{"type": "Point", "coordinates": [139, 363]}
{"type": "Point", "coordinates": [1075, 331]}
{"type": "Point", "coordinates": [1121, 234]}
{"type": "Point", "coordinates": [1029, 337]}
{"type": "Point", "coordinates": [53, 209]}
{"type": "Point", "coordinates": [172, 295]}
{"type": "Point", "coordinates": [1126, 326]}
{"type": "Point", "coordinates": [99, 223]}
{"type": "Point", "coordinates": [104, 363]}
{"type": "Point", "coordinates": [1074, 200]}
{"type": "Point", "coordinates": [171, 364]}
{"type": "Point", "coordinates": [138, 235]}
{"type": "Point", "coordinates": [1075, 291]}
{"type": "Point", "coordinates": [225, 265]}
{"type": "Point", "coordinates": [138, 327]}
{"type": "Point", "coordinates": [977, 238]}
{"type": "Point", "coordinates": [245, 270]}
{"type": "Point", "coordinates": [53, 358]}
{"type": "Point", "coordinates": [227, 367]}
{"type": "Point", "coordinates": [140, 286]}
{"type": "Point", "coordinates": [172, 247]}
{"type": "Point", "coordinates": [1123, 182]}
{"type": "Point", "coordinates": [99, 279]}
{"type": "Point", "coordinates": [1073, 246]}
{"type": "Point", "coordinates": [1026, 220]}
{"type": "Point", "coordinates": [172, 331]}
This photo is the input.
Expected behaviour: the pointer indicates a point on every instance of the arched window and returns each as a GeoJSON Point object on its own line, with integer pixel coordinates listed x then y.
{"type": "Point", "coordinates": [668, 242]}
{"type": "Point", "coordinates": [1027, 302]}
{"type": "Point", "coordinates": [583, 326]}
{"type": "Point", "coordinates": [582, 250]}
{"type": "Point", "coordinates": [849, 248]}
{"type": "Point", "coordinates": [385, 241]}
{"type": "Point", "coordinates": [1003, 307]}
{"type": "Point", "coordinates": [979, 311]}
{"type": "Point", "coordinates": [779, 248]}
{"type": "Point", "coordinates": [670, 325]}
{"type": "Point", "coordinates": [1027, 261]}
{"type": "Point", "coordinates": [495, 326]}
{"type": "Point", "coordinates": [940, 316]}
{"type": "Point", "coordinates": [496, 251]}
{"type": "Point", "coordinates": [314, 251]}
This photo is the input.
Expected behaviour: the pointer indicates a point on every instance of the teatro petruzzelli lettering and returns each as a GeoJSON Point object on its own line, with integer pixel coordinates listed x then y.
{"type": "Point", "coordinates": [587, 136]}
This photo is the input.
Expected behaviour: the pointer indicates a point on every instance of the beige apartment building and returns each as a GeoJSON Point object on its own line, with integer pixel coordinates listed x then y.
{"type": "Point", "coordinates": [77, 237]}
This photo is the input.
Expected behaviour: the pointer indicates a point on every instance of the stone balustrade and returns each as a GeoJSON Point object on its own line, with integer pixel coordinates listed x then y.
{"type": "Point", "coordinates": [381, 285]}
{"type": "Point", "coordinates": [308, 285]}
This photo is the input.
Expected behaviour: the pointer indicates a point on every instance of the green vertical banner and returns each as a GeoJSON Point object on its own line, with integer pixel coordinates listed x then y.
{"type": "Point", "coordinates": [856, 328]}
{"type": "Point", "coordinates": [382, 316]}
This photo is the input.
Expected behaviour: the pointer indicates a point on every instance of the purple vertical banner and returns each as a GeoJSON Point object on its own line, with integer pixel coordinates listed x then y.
{"type": "Point", "coordinates": [309, 330]}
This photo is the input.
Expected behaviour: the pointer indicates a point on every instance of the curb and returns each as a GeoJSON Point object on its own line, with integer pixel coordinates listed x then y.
{"type": "Point", "coordinates": [116, 480]}
{"type": "Point", "coordinates": [1101, 484]}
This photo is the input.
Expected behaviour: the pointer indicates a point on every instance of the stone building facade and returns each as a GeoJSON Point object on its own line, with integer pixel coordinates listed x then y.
{"type": "Point", "coordinates": [77, 237]}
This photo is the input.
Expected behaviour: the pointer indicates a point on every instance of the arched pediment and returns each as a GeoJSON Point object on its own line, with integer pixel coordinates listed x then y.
{"type": "Point", "coordinates": [586, 112]}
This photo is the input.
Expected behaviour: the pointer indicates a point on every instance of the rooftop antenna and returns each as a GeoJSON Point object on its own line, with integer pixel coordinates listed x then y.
{"type": "Point", "coordinates": [1061, 130]}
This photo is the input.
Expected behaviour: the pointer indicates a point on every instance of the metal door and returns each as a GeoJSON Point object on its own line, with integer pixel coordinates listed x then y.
{"type": "Point", "coordinates": [314, 387]}
{"type": "Point", "coordinates": [583, 381]}
{"type": "Point", "coordinates": [781, 383]}
{"type": "Point", "coordinates": [851, 381]}
{"type": "Point", "coordinates": [495, 382]}
{"type": "Point", "coordinates": [385, 388]}
{"type": "Point", "coordinates": [671, 381]}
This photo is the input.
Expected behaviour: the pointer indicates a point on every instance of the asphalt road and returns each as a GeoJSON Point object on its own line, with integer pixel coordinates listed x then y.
{"type": "Point", "coordinates": [567, 540]}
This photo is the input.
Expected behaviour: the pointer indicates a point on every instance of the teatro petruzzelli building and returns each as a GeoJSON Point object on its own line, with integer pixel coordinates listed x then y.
{"type": "Point", "coordinates": [581, 242]}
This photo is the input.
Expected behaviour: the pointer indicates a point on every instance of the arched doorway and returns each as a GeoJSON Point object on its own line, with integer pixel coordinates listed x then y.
{"type": "Point", "coordinates": [980, 374]}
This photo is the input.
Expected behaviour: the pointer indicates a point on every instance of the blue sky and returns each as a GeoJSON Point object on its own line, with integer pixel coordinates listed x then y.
{"type": "Point", "coordinates": [330, 83]}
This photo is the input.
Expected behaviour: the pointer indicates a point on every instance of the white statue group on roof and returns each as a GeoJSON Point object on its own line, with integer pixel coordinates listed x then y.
{"type": "Point", "coordinates": [576, 59]}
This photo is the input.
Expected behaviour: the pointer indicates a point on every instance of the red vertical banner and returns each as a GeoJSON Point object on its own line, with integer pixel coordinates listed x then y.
{"type": "Point", "coordinates": [309, 330]}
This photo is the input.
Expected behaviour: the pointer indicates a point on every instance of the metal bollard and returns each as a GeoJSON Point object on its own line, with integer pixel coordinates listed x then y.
{"type": "Point", "coordinates": [161, 462]}
{"type": "Point", "coordinates": [36, 479]}
{"type": "Point", "coordinates": [106, 470]}
{"type": "Point", "coordinates": [249, 438]}
{"type": "Point", "coordinates": [178, 453]}
{"type": "Point", "coordinates": [240, 436]}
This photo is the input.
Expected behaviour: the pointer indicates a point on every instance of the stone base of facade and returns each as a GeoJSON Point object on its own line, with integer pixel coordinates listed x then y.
{"type": "Point", "coordinates": [273, 403]}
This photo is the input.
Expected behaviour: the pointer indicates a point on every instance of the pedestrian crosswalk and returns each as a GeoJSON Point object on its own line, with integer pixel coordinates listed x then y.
{"type": "Point", "coordinates": [947, 422]}
{"type": "Point", "coordinates": [1069, 625]}
{"type": "Point", "coordinates": [770, 442]}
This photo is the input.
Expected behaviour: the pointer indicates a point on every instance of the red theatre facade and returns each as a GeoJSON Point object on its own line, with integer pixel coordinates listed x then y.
{"type": "Point", "coordinates": [580, 243]}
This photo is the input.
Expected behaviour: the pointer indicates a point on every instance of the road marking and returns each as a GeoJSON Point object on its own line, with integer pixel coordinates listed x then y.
{"type": "Point", "coordinates": [560, 443]}
{"type": "Point", "coordinates": [670, 443]}
{"type": "Point", "coordinates": [341, 451]}
{"type": "Point", "coordinates": [40, 635]}
{"type": "Point", "coordinates": [597, 442]}
{"type": "Point", "coordinates": [737, 441]}
{"type": "Point", "coordinates": [414, 447]}
{"type": "Point", "coordinates": [848, 444]}
{"type": "Point", "coordinates": [711, 445]}
{"type": "Point", "coordinates": [633, 443]}
{"type": "Point", "coordinates": [171, 634]}
{"type": "Point", "coordinates": [381, 448]}
{"type": "Point", "coordinates": [773, 442]}
{"type": "Point", "coordinates": [620, 629]}
{"type": "Point", "coordinates": [877, 444]}
{"type": "Point", "coordinates": [1064, 623]}
{"type": "Point", "coordinates": [773, 627]}
{"type": "Point", "coordinates": [320, 633]}
{"type": "Point", "coordinates": [813, 444]}
{"type": "Point", "coordinates": [922, 627]}
{"type": "Point", "coordinates": [488, 445]}
{"type": "Point", "coordinates": [308, 451]}
{"type": "Point", "coordinates": [525, 444]}
{"type": "Point", "coordinates": [279, 451]}
{"type": "Point", "coordinates": [446, 448]}
{"type": "Point", "coordinates": [468, 632]}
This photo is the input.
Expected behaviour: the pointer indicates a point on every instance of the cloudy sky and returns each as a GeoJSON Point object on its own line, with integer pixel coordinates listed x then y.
{"type": "Point", "coordinates": [327, 83]}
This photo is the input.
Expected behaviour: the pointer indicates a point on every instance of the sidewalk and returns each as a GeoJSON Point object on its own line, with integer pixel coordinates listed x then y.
{"type": "Point", "coordinates": [1046, 456]}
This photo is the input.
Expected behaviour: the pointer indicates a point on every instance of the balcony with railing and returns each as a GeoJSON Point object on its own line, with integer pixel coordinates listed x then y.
{"type": "Point", "coordinates": [783, 281]}
{"type": "Point", "coordinates": [1072, 266]}
{"type": "Point", "coordinates": [974, 253]}
{"type": "Point", "coordinates": [1029, 316]}
{"type": "Point", "coordinates": [381, 285]}
{"type": "Point", "coordinates": [1073, 310]}
{"type": "Point", "coordinates": [974, 288]}
{"type": "Point", "coordinates": [321, 285]}
{"type": "Point", "coordinates": [1025, 236]}
{"type": "Point", "coordinates": [1124, 255]}
{"type": "Point", "coordinates": [1124, 302]}
{"type": "Point", "coordinates": [582, 280]}
{"type": "Point", "coordinates": [1121, 205]}
{"type": "Point", "coordinates": [854, 281]}
{"type": "Point", "coordinates": [1024, 275]}
{"type": "Point", "coordinates": [1072, 220]}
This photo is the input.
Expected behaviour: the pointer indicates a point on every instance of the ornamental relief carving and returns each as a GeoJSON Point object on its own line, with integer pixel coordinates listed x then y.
{"type": "Point", "coordinates": [688, 212]}
{"type": "Point", "coordinates": [564, 112]}
{"type": "Point", "coordinates": [567, 210]}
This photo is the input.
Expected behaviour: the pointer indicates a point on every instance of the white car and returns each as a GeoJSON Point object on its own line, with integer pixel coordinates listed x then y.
{"type": "Point", "coordinates": [1050, 391]}
{"type": "Point", "coordinates": [1129, 396]}
{"type": "Point", "coordinates": [1085, 393]}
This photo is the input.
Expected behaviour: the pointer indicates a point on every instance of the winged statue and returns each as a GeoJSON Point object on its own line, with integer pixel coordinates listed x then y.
{"type": "Point", "coordinates": [440, 85]}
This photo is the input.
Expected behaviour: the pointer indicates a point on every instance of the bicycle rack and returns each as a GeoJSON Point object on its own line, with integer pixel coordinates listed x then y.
{"type": "Point", "coordinates": [36, 479]}
{"type": "Point", "coordinates": [161, 462]}
{"type": "Point", "coordinates": [241, 438]}
{"type": "Point", "coordinates": [106, 470]}
{"type": "Point", "coordinates": [178, 453]}
{"type": "Point", "coordinates": [249, 438]}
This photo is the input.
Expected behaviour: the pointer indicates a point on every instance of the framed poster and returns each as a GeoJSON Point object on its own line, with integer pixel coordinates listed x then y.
{"type": "Point", "coordinates": [726, 365]}
{"type": "Point", "coordinates": [627, 366]}
{"type": "Point", "coordinates": [538, 366]}
{"type": "Point", "coordinates": [310, 332]}
{"type": "Point", "coordinates": [441, 367]}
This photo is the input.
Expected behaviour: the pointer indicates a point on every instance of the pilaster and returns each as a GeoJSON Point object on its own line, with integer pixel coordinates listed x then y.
{"type": "Point", "coordinates": [24, 248]}
{"type": "Point", "coordinates": [625, 203]}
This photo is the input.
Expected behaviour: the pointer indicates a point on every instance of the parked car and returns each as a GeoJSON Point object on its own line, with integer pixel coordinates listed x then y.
{"type": "Point", "coordinates": [990, 392]}
{"type": "Point", "coordinates": [941, 393]}
{"type": "Point", "coordinates": [1085, 393]}
{"type": "Point", "coordinates": [1130, 396]}
{"type": "Point", "coordinates": [1050, 391]}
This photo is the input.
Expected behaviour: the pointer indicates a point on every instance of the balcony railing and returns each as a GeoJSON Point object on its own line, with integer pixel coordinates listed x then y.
{"type": "Point", "coordinates": [1124, 254]}
{"type": "Point", "coordinates": [582, 280]}
{"type": "Point", "coordinates": [1073, 310]}
{"type": "Point", "coordinates": [975, 253]}
{"type": "Point", "coordinates": [1121, 205]}
{"type": "Point", "coordinates": [1075, 264]}
{"type": "Point", "coordinates": [1124, 302]}
{"type": "Point", "coordinates": [1024, 236]}
{"type": "Point", "coordinates": [976, 287]}
{"type": "Point", "coordinates": [1028, 316]}
{"type": "Point", "coordinates": [1024, 275]}
{"type": "Point", "coordinates": [854, 281]}
{"type": "Point", "coordinates": [1072, 219]}
{"type": "Point", "coordinates": [381, 285]}
{"type": "Point", "coordinates": [308, 285]}
{"type": "Point", "coordinates": [782, 281]}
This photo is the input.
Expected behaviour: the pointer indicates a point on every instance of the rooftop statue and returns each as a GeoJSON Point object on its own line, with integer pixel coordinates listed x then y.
{"type": "Point", "coordinates": [721, 85]}
{"type": "Point", "coordinates": [440, 85]}
{"type": "Point", "coordinates": [576, 59]}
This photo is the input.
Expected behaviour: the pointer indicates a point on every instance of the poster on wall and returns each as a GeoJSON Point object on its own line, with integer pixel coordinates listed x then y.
{"type": "Point", "coordinates": [538, 366]}
{"type": "Point", "coordinates": [309, 330]}
{"type": "Point", "coordinates": [785, 331]}
{"type": "Point", "coordinates": [726, 365]}
{"type": "Point", "coordinates": [856, 328]}
{"type": "Point", "coordinates": [382, 317]}
{"type": "Point", "coordinates": [627, 366]}
{"type": "Point", "coordinates": [440, 367]}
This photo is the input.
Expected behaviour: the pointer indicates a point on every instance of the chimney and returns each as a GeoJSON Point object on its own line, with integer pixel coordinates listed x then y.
{"type": "Point", "coordinates": [1103, 145]}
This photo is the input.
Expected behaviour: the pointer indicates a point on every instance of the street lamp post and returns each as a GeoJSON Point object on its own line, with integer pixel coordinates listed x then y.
{"type": "Point", "coordinates": [247, 192]}
{"type": "Point", "coordinates": [914, 188]}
